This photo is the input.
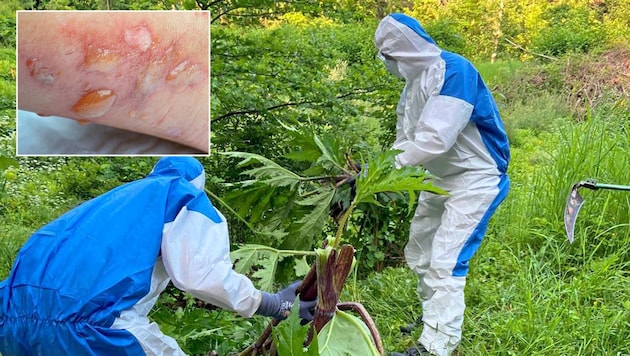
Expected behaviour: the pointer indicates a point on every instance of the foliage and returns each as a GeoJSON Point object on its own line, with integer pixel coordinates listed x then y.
{"type": "Point", "coordinates": [289, 335]}
{"type": "Point", "coordinates": [445, 34]}
{"type": "Point", "coordinates": [199, 328]}
{"type": "Point", "coordinates": [570, 29]}
{"type": "Point", "coordinates": [326, 76]}
{"type": "Point", "coordinates": [264, 260]}
{"type": "Point", "coordinates": [7, 27]}
{"type": "Point", "coordinates": [7, 90]}
{"type": "Point", "coordinates": [616, 21]}
{"type": "Point", "coordinates": [304, 216]}
{"type": "Point", "coordinates": [391, 299]}
{"type": "Point", "coordinates": [518, 28]}
{"type": "Point", "coordinates": [345, 334]}
{"type": "Point", "coordinates": [7, 174]}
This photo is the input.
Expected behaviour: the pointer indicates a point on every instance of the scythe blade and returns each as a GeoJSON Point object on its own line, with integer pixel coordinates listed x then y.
{"type": "Point", "coordinates": [575, 201]}
{"type": "Point", "coordinates": [571, 210]}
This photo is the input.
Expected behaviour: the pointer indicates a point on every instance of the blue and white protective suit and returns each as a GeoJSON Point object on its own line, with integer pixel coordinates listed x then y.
{"type": "Point", "coordinates": [84, 283]}
{"type": "Point", "coordinates": [448, 123]}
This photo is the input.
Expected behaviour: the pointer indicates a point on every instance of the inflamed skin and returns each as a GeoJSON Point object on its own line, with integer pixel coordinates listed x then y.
{"type": "Point", "coordinates": [146, 72]}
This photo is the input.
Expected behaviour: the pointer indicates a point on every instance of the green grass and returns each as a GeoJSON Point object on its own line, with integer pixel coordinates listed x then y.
{"type": "Point", "coordinates": [7, 82]}
{"type": "Point", "coordinates": [494, 74]}
{"type": "Point", "coordinates": [12, 237]}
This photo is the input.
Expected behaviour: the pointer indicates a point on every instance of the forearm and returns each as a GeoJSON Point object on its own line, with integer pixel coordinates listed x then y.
{"type": "Point", "coordinates": [141, 71]}
{"type": "Point", "coordinates": [196, 255]}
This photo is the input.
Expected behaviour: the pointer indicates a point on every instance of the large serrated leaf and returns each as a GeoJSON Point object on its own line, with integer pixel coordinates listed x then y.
{"type": "Point", "coordinates": [264, 260]}
{"type": "Point", "coordinates": [313, 222]}
{"type": "Point", "coordinates": [266, 273]}
{"type": "Point", "coordinates": [382, 176]}
{"type": "Point", "coordinates": [329, 150]}
{"type": "Point", "coordinates": [263, 257]}
{"type": "Point", "coordinates": [301, 266]}
{"type": "Point", "coordinates": [289, 336]}
{"type": "Point", "coordinates": [346, 334]}
{"type": "Point", "coordinates": [308, 152]}
{"type": "Point", "coordinates": [245, 258]}
{"type": "Point", "coordinates": [269, 172]}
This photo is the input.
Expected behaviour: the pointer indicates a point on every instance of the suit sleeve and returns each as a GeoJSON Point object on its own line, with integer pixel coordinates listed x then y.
{"type": "Point", "coordinates": [441, 121]}
{"type": "Point", "coordinates": [400, 114]}
{"type": "Point", "coordinates": [196, 254]}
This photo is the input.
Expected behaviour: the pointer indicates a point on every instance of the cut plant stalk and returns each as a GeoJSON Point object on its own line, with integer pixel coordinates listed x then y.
{"type": "Point", "coordinates": [326, 278]}
{"type": "Point", "coordinates": [332, 271]}
{"type": "Point", "coordinates": [326, 300]}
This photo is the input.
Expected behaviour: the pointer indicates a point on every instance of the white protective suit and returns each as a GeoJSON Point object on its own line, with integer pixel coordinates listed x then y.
{"type": "Point", "coordinates": [448, 123]}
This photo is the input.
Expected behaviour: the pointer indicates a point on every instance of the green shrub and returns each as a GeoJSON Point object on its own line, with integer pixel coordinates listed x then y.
{"type": "Point", "coordinates": [570, 29]}
{"type": "Point", "coordinates": [444, 32]}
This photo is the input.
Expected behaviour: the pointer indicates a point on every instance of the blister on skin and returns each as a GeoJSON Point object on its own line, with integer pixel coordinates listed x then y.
{"type": "Point", "coordinates": [149, 79]}
{"type": "Point", "coordinates": [139, 38]}
{"type": "Point", "coordinates": [103, 60]}
{"type": "Point", "coordinates": [95, 103]}
{"type": "Point", "coordinates": [40, 72]}
{"type": "Point", "coordinates": [184, 75]}
{"type": "Point", "coordinates": [133, 64]}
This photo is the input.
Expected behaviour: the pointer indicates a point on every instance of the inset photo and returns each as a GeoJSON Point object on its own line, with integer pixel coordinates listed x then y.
{"type": "Point", "coordinates": [113, 83]}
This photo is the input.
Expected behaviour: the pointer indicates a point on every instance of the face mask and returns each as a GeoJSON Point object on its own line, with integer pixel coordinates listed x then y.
{"type": "Point", "coordinates": [391, 65]}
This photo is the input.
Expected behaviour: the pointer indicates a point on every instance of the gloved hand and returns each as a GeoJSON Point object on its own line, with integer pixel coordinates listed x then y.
{"type": "Point", "coordinates": [362, 170]}
{"type": "Point", "coordinates": [279, 305]}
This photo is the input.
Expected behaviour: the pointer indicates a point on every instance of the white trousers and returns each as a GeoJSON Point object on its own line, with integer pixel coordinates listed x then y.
{"type": "Point", "coordinates": [445, 233]}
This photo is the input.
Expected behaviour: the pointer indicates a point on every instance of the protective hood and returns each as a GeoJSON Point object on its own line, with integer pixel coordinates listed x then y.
{"type": "Point", "coordinates": [185, 167]}
{"type": "Point", "coordinates": [400, 38]}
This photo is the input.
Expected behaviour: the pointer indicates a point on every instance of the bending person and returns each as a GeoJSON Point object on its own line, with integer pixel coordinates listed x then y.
{"type": "Point", "coordinates": [85, 283]}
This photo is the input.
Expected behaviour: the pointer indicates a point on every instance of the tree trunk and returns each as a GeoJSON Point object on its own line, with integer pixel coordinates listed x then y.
{"type": "Point", "coordinates": [497, 32]}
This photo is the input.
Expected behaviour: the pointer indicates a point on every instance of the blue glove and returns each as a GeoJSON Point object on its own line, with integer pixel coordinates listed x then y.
{"type": "Point", "coordinates": [279, 305]}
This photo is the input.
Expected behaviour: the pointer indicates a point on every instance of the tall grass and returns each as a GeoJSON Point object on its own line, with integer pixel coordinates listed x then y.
{"type": "Point", "coordinates": [12, 237]}
{"type": "Point", "coordinates": [530, 291]}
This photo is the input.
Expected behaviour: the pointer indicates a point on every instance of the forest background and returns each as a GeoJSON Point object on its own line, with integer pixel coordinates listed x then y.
{"type": "Point", "coordinates": [560, 72]}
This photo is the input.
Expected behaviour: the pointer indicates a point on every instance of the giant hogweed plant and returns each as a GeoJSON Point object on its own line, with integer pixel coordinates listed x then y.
{"type": "Point", "coordinates": [290, 209]}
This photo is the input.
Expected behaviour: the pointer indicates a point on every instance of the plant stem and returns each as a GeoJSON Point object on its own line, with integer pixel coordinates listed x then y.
{"type": "Point", "coordinates": [367, 319]}
{"type": "Point", "coordinates": [286, 252]}
{"type": "Point", "coordinates": [306, 179]}
{"type": "Point", "coordinates": [342, 224]}
{"type": "Point", "coordinates": [215, 197]}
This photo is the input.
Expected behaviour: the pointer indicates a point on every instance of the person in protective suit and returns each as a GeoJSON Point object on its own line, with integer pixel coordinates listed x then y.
{"type": "Point", "coordinates": [84, 283]}
{"type": "Point", "coordinates": [449, 124]}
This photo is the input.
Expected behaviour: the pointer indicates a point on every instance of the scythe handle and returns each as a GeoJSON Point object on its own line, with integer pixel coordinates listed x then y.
{"type": "Point", "coordinates": [592, 184]}
{"type": "Point", "coordinates": [612, 186]}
